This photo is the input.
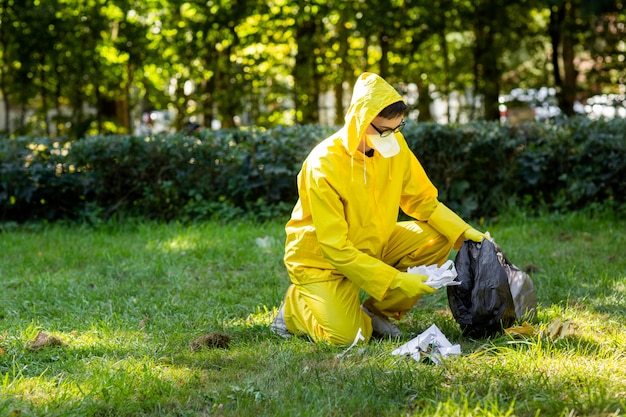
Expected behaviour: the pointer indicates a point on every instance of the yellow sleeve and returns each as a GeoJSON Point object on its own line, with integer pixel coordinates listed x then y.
{"type": "Point", "coordinates": [449, 224]}
{"type": "Point", "coordinates": [419, 195]}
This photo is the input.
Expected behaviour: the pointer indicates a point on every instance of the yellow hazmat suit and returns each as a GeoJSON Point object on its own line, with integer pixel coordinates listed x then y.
{"type": "Point", "coordinates": [343, 235]}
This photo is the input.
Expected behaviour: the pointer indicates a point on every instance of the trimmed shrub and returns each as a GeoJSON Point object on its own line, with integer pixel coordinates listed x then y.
{"type": "Point", "coordinates": [479, 168]}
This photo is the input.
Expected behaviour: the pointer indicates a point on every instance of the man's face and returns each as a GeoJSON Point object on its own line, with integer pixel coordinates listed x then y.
{"type": "Point", "coordinates": [381, 125]}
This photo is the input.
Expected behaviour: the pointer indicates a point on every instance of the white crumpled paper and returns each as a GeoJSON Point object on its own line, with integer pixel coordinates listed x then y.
{"type": "Point", "coordinates": [431, 343]}
{"type": "Point", "coordinates": [438, 276]}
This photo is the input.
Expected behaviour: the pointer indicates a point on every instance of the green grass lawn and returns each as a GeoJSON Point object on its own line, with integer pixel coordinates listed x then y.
{"type": "Point", "coordinates": [122, 304]}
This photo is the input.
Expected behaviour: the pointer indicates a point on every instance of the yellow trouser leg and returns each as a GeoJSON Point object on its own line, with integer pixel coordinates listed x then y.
{"type": "Point", "coordinates": [327, 311]}
{"type": "Point", "coordinates": [411, 244]}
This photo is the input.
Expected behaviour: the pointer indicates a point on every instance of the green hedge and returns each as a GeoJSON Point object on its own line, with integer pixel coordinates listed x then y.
{"type": "Point", "coordinates": [480, 169]}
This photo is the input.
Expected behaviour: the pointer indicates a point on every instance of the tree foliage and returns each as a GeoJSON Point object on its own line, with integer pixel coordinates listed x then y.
{"type": "Point", "coordinates": [76, 68]}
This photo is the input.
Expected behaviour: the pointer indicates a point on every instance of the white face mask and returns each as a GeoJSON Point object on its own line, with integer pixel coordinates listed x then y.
{"type": "Point", "coordinates": [387, 146]}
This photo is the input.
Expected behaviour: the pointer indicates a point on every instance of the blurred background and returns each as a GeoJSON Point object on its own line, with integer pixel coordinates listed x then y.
{"type": "Point", "coordinates": [76, 68]}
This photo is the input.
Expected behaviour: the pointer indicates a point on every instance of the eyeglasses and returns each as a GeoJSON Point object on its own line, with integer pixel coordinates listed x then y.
{"type": "Point", "coordinates": [388, 132]}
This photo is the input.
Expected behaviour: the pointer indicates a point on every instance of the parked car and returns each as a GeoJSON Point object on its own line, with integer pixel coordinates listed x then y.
{"type": "Point", "coordinates": [528, 104]}
{"type": "Point", "coordinates": [154, 122]}
{"type": "Point", "coordinates": [607, 106]}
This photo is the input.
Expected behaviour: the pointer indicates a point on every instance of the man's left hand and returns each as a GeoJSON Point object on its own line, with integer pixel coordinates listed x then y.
{"type": "Point", "coordinates": [474, 235]}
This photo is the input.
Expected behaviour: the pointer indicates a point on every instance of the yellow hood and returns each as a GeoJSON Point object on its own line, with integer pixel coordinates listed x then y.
{"type": "Point", "coordinates": [371, 95]}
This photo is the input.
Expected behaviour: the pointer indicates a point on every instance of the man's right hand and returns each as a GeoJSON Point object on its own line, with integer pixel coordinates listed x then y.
{"type": "Point", "coordinates": [411, 285]}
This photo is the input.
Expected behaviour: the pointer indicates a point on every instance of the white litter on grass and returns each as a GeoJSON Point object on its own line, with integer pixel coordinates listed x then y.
{"type": "Point", "coordinates": [438, 276]}
{"type": "Point", "coordinates": [359, 337]}
{"type": "Point", "coordinates": [431, 343]}
{"type": "Point", "coordinates": [264, 242]}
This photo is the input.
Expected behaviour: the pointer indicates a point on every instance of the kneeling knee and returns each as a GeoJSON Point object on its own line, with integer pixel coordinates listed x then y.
{"type": "Point", "coordinates": [346, 337]}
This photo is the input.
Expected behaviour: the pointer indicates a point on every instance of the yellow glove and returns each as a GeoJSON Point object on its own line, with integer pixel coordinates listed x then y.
{"type": "Point", "coordinates": [411, 285]}
{"type": "Point", "coordinates": [474, 235]}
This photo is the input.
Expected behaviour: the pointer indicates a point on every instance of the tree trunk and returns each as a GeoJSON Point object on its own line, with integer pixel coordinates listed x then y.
{"type": "Point", "coordinates": [491, 89]}
{"type": "Point", "coordinates": [128, 120]}
{"type": "Point", "coordinates": [305, 77]}
{"type": "Point", "coordinates": [98, 109]}
{"type": "Point", "coordinates": [4, 53]}
{"type": "Point", "coordinates": [339, 111]}
{"type": "Point", "coordinates": [344, 71]}
{"type": "Point", "coordinates": [5, 100]}
{"type": "Point", "coordinates": [44, 95]}
{"type": "Point", "coordinates": [554, 28]}
{"type": "Point", "coordinates": [231, 103]}
{"type": "Point", "coordinates": [58, 97]}
{"type": "Point", "coordinates": [568, 95]}
{"type": "Point", "coordinates": [446, 73]}
{"type": "Point", "coordinates": [423, 102]}
{"type": "Point", "coordinates": [486, 62]}
{"type": "Point", "coordinates": [384, 55]}
{"type": "Point", "coordinates": [562, 19]}
{"type": "Point", "coordinates": [7, 110]}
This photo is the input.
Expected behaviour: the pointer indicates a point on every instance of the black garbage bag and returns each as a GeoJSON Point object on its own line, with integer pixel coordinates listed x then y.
{"type": "Point", "coordinates": [522, 288]}
{"type": "Point", "coordinates": [483, 304]}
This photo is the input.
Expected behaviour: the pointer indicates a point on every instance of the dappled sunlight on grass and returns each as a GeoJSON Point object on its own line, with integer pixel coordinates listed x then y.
{"type": "Point", "coordinates": [216, 239]}
{"type": "Point", "coordinates": [613, 299]}
{"type": "Point", "coordinates": [42, 391]}
{"type": "Point", "coordinates": [600, 328]}
{"type": "Point", "coordinates": [553, 372]}
{"type": "Point", "coordinates": [178, 244]}
{"type": "Point", "coordinates": [262, 317]}
{"type": "Point", "coordinates": [126, 305]}
{"type": "Point", "coordinates": [102, 380]}
{"type": "Point", "coordinates": [111, 368]}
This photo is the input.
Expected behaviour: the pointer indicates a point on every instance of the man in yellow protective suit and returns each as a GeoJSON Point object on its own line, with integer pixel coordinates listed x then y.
{"type": "Point", "coordinates": [344, 235]}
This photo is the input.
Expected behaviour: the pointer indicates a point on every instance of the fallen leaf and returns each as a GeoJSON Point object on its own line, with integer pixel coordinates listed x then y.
{"type": "Point", "coordinates": [558, 329]}
{"type": "Point", "coordinates": [525, 330]}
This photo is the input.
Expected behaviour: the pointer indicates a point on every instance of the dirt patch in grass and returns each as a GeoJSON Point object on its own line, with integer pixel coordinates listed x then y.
{"type": "Point", "coordinates": [44, 340]}
{"type": "Point", "coordinates": [211, 341]}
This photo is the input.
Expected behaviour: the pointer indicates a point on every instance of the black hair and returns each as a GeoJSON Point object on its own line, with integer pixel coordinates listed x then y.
{"type": "Point", "coordinates": [394, 110]}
